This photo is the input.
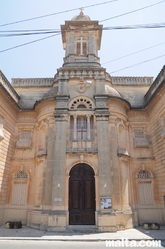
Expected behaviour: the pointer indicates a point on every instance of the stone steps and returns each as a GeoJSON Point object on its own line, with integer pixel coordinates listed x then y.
{"type": "Point", "coordinates": [82, 228]}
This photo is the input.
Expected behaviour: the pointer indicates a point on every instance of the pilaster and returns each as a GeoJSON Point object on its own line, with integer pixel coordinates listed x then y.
{"type": "Point", "coordinates": [50, 163]}
{"type": "Point", "coordinates": [114, 163]}
{"type": "Point", "coordinates": [58, 187]}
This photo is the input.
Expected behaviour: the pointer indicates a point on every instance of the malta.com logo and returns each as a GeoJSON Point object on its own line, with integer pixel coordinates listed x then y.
{"type": "Point", "coordinates": [124, 242]}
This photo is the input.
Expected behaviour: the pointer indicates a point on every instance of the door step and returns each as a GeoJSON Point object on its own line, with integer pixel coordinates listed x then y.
{"type": "Point", "coordinates": [82, 228]}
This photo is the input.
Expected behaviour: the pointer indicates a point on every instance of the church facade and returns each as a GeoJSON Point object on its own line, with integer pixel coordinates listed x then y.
{"type": "Point", "coordinates": [82, 147]}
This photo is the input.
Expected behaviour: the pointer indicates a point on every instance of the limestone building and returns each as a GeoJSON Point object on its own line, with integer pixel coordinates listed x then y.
{"type": "Point", "coordinates": [82, 147]}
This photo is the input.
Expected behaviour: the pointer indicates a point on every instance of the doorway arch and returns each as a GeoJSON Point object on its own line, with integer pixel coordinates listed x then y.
{"type": "Point", "coordinates": [82, 204]}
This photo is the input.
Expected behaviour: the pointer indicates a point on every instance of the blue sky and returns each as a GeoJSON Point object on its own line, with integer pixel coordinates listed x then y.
{"type": "Point", "coordinates": [41, 59]}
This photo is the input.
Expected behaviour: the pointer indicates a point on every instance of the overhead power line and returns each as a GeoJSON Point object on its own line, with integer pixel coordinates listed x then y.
{"type": "Point", "coordinates": [88, 6]}
{"type": "Point", "coordinates": [53, 31]}
{"type": "Point", "coordinates": [137, 64]}
{"type": "Point", "coordinates": [56, 13]}
{"type": "Point", "coordinates": [132, 11]}
{"type": "Point", "coordinates": [58, 32]}
{"type": "Point", "coordinates": [139, 51]}
{"type": "Point", "coordinates": [27, 43]}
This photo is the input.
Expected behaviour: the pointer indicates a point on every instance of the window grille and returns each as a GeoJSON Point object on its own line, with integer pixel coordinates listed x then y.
{"type": "Point", "coordinates": [144, 174]}
{"type": "Point", "coordinates": [21, 175]}
{"type": "Point", "coordinates": [81, 103]}
{"type": "Point", "coordinates": [81, 106]}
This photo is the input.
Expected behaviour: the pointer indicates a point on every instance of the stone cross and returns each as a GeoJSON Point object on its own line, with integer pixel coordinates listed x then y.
{"type": "Point", "coordinates": [81, 9]}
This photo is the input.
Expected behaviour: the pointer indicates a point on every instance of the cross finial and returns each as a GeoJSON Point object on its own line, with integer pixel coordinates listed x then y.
{"type": "Point", "coordinates": [81, 11]}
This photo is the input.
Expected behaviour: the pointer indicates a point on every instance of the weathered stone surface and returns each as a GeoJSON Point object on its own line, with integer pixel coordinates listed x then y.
{"type": "Point", "coordinates": [82, 115]}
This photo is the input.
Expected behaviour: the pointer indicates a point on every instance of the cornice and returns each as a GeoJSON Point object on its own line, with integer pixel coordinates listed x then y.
{"type": "Point", "coordinates": [8, 90]}
{"type": "Point", "coordinates": [8, 87]}
{"type": "Point", "coordinates": [32, 82]}
{"type": "Point", "coordinates": [158, 83]}
{"type": "Point", "coordinates": [131, 81]}
{"type": "Point", "coordinates": [96, 73]}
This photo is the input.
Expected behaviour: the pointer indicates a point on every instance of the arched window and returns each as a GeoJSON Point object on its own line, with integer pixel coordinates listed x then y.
{"type": "Point", "coordinates": [145, 188]}
{"type": "Point", "coordinates": [19, 192]}
{"type": "Point", "coordinates": [144, 174]}
{"type": "Point", "coordinates": [21, 175]}
{"type": "Point", "coordinates": [81, 46]}
{"type": "Point", "coordinates": [81, 103]}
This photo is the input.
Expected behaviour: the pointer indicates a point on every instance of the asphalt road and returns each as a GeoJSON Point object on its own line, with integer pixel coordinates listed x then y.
{"type": "Point", "coordinates": [24, 244]}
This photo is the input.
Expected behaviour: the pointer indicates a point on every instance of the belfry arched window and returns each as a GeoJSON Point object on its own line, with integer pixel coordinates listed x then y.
{"type": "Point", "coordinates": [145, 188]}
{"type": "Point", "coordinates": [19, 192]}
{"type": "Point", "coordinates": [81, 45]}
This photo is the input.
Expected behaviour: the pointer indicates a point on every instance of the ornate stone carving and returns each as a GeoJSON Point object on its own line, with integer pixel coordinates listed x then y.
{"type": "Point", "coordinates": [60, 117]}
{"type": "Point", "coordinates": [76, 73]}
{"type": "Point", "coordinates": [82, 86]}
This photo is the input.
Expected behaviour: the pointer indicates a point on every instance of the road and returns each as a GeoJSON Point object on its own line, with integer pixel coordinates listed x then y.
{"type": "Point", "coordinates": [13, 244]}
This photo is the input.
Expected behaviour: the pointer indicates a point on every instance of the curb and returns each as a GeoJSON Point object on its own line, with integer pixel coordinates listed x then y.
{"type": "Point", "coordinates": [73, 239]}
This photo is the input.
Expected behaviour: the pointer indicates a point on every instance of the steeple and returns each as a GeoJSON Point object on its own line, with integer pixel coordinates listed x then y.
{"type": "Point", "coordinates": [81, 39]}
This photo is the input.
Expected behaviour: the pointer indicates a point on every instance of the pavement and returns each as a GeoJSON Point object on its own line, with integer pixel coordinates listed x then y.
{"type": "Point", "coordinates": [27, 233]}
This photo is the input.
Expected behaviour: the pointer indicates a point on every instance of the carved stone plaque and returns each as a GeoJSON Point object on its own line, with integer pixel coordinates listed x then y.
{"type": "Point", "coordinates": [24, 140]}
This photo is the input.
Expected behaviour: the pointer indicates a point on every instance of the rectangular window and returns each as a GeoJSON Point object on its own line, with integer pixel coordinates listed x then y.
{"type": "Point", "coordinates": [145, 193]}
{"type": "Point", "coordinates": [71, 127]}
{"type": "Point", "coordinates": [84, 52]}
{"type": "Point", "coordinates": [81, 128]}
{"type": "Point", "coordinates": [19, 193]}
{"type": "Point", "coordinates": [78, 50]}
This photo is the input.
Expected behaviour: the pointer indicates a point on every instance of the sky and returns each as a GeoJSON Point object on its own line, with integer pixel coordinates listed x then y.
{"type": "Point", "coordinates": [42, 58]}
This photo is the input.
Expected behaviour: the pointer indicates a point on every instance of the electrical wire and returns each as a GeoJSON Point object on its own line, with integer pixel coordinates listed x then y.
{"type": "Point", "coordinates": [139, 51]}
{"type": "Point", "coordinates": [108, 28]}
{"type": "Point", "coordinates": [50, 31]}
{"type": "Point", "coordinates": [56, 13]}
{"type": "Point", "coordinates": [137, 64]}
{"type": "Point", "coordinates": [27, 43]}
{"type": "Point", "coordinates": [132, 11]}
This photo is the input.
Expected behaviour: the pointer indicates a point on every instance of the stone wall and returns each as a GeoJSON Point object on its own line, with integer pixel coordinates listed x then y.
{"type": "Point", "coordinates": [8, 115]}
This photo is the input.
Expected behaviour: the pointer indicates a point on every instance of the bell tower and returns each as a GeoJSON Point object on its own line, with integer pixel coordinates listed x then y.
{"type": "Point", "coordinates": [81, 39]}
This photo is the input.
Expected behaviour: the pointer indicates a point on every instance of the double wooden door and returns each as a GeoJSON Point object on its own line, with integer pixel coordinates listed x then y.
{"type": "Point", "coordinates": [82, 195]}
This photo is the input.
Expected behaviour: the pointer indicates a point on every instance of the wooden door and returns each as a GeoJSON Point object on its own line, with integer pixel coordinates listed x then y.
{"type": "Point", "coordinates": [82, 195]}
